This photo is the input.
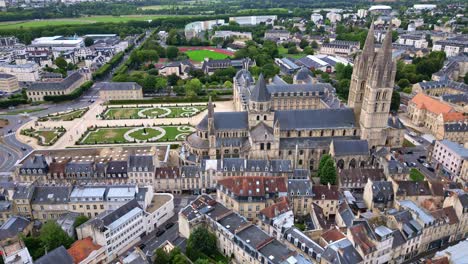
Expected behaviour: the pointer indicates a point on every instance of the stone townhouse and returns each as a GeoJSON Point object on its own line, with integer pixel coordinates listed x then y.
{"type": "Point", "coordinates": [356, 179]}
{"type": "Point", "coordinates": [301, 195]}
{"type": "Point", "coordinates": [328, 198]}
{"type": "Point", "coordinates": [407, 235]}
{"type": "Point", "coordinates": [379, 195]}
{"type": "Point", "coordinates": [236, 236]}
{"type": "Point", "coordinates": [274, 218]}
{"type": "Point", "coordinates": [459, 202]}
{"type": "Point", "coordinates": [248, 195]}
{"type": "Point", "coordinates": [50, 202]}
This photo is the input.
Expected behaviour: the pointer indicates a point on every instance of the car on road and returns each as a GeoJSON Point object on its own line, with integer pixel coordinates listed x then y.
{"type": "Point", "coordinates": [10, 131]}
{"type": "Point", "coordinates": [409, 152]}
{"type": "Point", "coordinates": [420, 160]}
{"type": "Point", "coordinates": [169, 225]}
{"type": "Point", "coordinates": [142, 245]}
{"type": "Point", "coordinates": [413, 164]}
{"type": "Point", "coordinates": [422, 157]}
{"type": "Point", "coordinates": [23, 149]}
{"type": "Point", "coordinates": [420, 141]}
{"type": "Point", "coordinates": [413, 134]}
{"type": "Point", "coordinates": [160, 232]}
{"type": "Point", "coordinates": [430, 169]}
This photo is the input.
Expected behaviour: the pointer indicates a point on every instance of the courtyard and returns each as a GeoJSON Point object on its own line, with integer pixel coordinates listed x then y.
{"type": "Point", "coordinates": [120, 135]}
{"type": "Point", "coordinates": [113, 113]}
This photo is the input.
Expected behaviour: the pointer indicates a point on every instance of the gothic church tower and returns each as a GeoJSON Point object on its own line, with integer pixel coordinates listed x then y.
{"type": "Point", "coordinates": [371, 89]}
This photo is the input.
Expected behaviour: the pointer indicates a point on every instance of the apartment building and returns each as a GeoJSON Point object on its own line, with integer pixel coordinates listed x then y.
{"type": "Point", "coordinates": [379, 195]}
{"type": "Point", "coordinates": [339, 48]}
{"type": "Point", "coordinates": [328, 198]}
{"type": "Point", "coordinates": [451, 156]}
{"type": "Point", "coordinates": [8, 83]}
{"type": "Point", "coordinates": [414, 40]}
{"type": "Point", "coordinates": [452, 46]}
{"type": "Point", "coordinates": [277, 34]}
{"type": "Point", "coordinates": [274, 218]}
{"type": "Point", "coordinates": [28, 72]}
{"type": "Point", "coordinates": [38, 90]}
{"type": "Point", "coordinates": [248, 195]}
{"type": "Point", "coordinates": [119, 91]}
{"type": "Point", "coordinates": [301, 195]}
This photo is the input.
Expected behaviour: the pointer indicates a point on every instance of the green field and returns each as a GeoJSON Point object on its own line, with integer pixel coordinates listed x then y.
{"type": "Point", "coordinates": [76, 21]}
{"type": "Point", "coordinates": [284, 51]}
{"type": "Point", "coordinates": [68, 116]}
{"type": "Point", "coordinates": [150, 112]}
{"type": "Point", "coordinates": [200, 55]}
{"type": "Point", "coordinates": [22, 111]}
{"type": "Point", "coordinates": [139, 134]}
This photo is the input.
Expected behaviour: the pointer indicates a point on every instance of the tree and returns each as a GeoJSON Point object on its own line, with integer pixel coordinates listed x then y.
{"type": "Point", "coordinates": [160, 84]}
{"type": "Point", "coordinates": [308, 50]}
{"type": "Point", "coordinates": [304, 43]}
{"type": "Point", "coordinates": [227, 84]}
{"type": "Point", "coordinates": [161, 257]}
{"type": "Point", "coordinates": [292, 50]}
{"type": "Point", "coordinates": [193, 86]}
{"type": "Point", "coordinates": [201, 241]}
{"type": "Point", "coordinates": [172, 79]}
{"type": "Point", "coordinates": [52, 236]}
{"type": "Point", "coordinates": [34, 246]}
{"type": "Point", "coordinates": [202, 261]}
{"type": "Point", "coordinates": [314, 44]}
{"type": "Point", "coordinates": [88, 41]}
{"type": "Point", "coordinates": [327, 170]}
{"type": "Point", "coordinates": [61, 63]}
{"type": "Point", "coordinates": [80, 220]}
{"type": "Point", "coordinates": [172, 52]}
{"type": "Point", "coordinates": [395, 103]}
{"type": "Point", "coordinates": [403, 83]}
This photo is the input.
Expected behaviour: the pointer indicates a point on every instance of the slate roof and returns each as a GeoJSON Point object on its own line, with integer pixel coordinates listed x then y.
{"type": "Point", "coordinates": [141, 161]}
{"type": "Point", "coordinates": [360, 175]}
{"type": "Point", "coordinates": [260, 92]}
{"type": "Point", "coordinates": [413, 188]}
{"type": "Point", "coordinates": [350, 147]}
{"type": "Point", "coordinates": [297, 89]}
{"type": "Point", "coordinates": [117, 166]}
{"type": "Point", "coordinates": [310, 142]}
{"type": "Point", "coordinates": [361, 238]}
{"type": "Point", "coordinates": [226, 121]}
{"type": "Point", "coordinates": [398, 239]}
{"type": "Point", "coordinates": [464, 200]}
{"type": "Point", "coordinates": [346, 214]}
{"type": "Point", "coordinates": [6, 76]}
{"type": "Point", "coordinates": [35, 162]}
{"type": "Point", "coordinates": [24, 192]}
{"type": "Point", "coordinates": [300, 187]}
{"type": "Point", "coordinates": [382, 191]}
{"type": "Point", "coordinates": [303, 74]}
{"type": "Point", "coordinates": [112, 86]}
{"type": "Point", "coordinates": [309, 244]}
{"type": "Point", "coordinates": [189, 171]}
{"type": "Point", "coordinates": [58, 255]}
{"type": "Point", "coordinates": [342, 252]}
{"type": "Point", "coordinates": [253, 186]}
{"type": "Point", "coordinates": [80, 167]}
{"type": "Point", "coordinates": [456, 127]}
{"type": "Point", "coordinates": [329, 192]}
{"type": "Point", "coordinates": [13, 226]}
{"type": "Point", "coordinates": [395, 122]}
{"type": "Point", "coordinates": [315, 119]}
{"type": "Point", "coordinates": [51, 194]}
{"type": "Point", "coordinates": [107, 218]}
{"type": "Point", "coordinates": [62, 85]}
{"type": "Point", "coordinates": [238, 164]}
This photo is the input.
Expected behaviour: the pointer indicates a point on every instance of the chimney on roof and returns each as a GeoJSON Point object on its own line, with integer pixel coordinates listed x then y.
{"type": "Point", "coordinates": [329, 186]}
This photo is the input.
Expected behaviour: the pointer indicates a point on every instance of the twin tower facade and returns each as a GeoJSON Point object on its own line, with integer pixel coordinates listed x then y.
{"type": "Point", "coordinates": [371, 88]}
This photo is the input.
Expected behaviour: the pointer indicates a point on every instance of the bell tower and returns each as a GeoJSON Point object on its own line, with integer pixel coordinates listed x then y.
{"type": "Point", "coordinates": [260, 104]}
{"type": "Point", "coordinates": [377, 98]}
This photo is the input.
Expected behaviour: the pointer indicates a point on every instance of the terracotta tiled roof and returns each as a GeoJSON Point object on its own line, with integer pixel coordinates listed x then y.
{"type": "Point", "coordinates": [439, 260]}
{"type": "Point", "coordinates": [454, 116]}
{"type": "Point", "coordinates": [446, 213]}
{"type": "Point", "coordinates": [167, 172]}
{"type": "Point", "coordinates": [82, 248]}
{"type": "Point", "coordinates": [423, 101]}
{"type": "Point", "coordinates": [57, 167]}
{"type": "Point", "coordinates": [330, 192]}
{"type": "Point", "coordinates": [254, 185]}
{"type": "Point", "coordinates": [280, 207]}
{"type": "Point", "coordinates": [332, 235]}
{"type": "Point", "coordinates": [361, 239]}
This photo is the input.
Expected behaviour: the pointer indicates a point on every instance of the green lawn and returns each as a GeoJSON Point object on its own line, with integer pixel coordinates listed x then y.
{"type": "Point", "coordinates": [200, 55]}
{"type": "Point", "coordinates": [407, 144]}
{"type": "Point", "coordinates": [150, 112]}
{"type": "Point", "coordinates": [76, 21]}
{"type": "Point", "coordinates": [416, 175]}
{"type": "Point", "coordinates": [68, 116]}
{"type": "Point", "coordinates": [284, 51]}
{"type": "Point", "coordinates": [22, 111]}
{"type": "Point", "coordinates": [116, 135]}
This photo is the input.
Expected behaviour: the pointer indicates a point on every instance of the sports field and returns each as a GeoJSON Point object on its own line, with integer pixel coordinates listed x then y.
{"type": "Point", "coordinates": [122, 135]}
{"type": "Point", "coordinates": [200, 55]}
{"type": "Point", "coordinates": [152, 112]}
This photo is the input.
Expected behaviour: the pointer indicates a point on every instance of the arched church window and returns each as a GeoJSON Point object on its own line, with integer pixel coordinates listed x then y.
{"type": "Point", "coordinates": [383, 106]}
{"type": "Point", "coordinates": [377, 96]}
{"type": "Point", "coordinates": [262, 146]}
{"type": "Point", "coordinates": [268, 146]}
{"type": "Point", "coordinates": [363, 84]}
{"type": "Point", "coordinates": [375, 107]}
{"type": "Point", "coordinates": [265, 117]}
{"type": "Point", "coordinates": [258, 118]}
{"type": "Point", "coordinates": [384, 95]}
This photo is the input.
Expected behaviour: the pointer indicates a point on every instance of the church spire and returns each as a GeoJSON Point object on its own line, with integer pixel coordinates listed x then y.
{"type": "Point", "coordinates": [369, 44]}
{"type": "Point", "coordinates": [384, 55]}
{"type": "Point", "coordinates": [260, 92]}
{"type": "Point", "coordinates": [210, 108]}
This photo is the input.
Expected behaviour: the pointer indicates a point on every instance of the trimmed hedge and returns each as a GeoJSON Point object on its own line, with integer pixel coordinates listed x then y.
{"type": "Point", "coordinates": [159, 100]}
{"type": "Point", "coordinates": [72, 96]}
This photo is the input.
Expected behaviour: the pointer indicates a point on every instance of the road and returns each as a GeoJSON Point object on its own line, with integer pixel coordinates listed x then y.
{"type": "Point", "coordinates": [12, 150]}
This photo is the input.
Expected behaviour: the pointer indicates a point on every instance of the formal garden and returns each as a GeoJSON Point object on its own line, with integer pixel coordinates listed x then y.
{"type": "Point", "coordinates": [44, 136]}
{"type": "Point", "coordinates": [64, 116]}
{"type": "Point", "coordinates": [121, 135]}
{"type": "Point", "coordinates": [112, 113]}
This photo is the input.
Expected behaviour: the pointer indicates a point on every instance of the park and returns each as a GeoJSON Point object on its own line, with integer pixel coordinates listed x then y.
{"type": "Point", "coordinates": [120, 135]}
{"type": "Point", "coordinates": [113, 113]}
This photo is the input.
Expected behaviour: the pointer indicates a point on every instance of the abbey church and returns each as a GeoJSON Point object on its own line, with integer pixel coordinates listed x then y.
{"type": "Point", "coordinates": [305, 120]}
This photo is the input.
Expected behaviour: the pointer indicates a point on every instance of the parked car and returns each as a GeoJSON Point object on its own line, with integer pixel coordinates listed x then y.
{"type": "Point", "coordinates": [160, 232]}
{"type": "Point", "coordinates": [409, 152]}
{"type": "Point", "coordinates": [425, 164]}
{"type": "Point", "coordinates": [413, 134]}
{"type": "Point", "coordinates": [420, 161]}
{"type": "Point", "coordinates": [142, 245]}
{"type": "Point", "coordinates": [413, 164]}
{"type": "Point", "coordinates": [430, 169]}
{"type": "Point", "coordinates": [169, 225]}
{"type": "Point", "coordinates": [23, 149]}
{"type": "Point", "coordinates": [422, 157]}
{"type": "Point", "coordinates": [420, 141]}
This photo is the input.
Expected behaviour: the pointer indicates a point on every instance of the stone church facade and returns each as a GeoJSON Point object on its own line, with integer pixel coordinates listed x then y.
{"type": "Point", "coordinates": [305, 120]}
